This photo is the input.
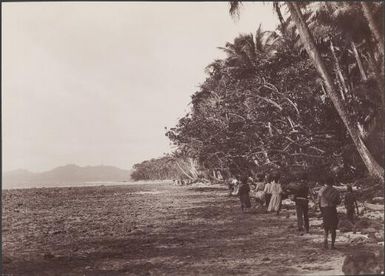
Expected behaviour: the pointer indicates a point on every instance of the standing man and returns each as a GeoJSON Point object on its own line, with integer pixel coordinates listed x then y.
{"type": "Point", "coordinates": [328, 199]}
{"type": "Point", "coordinates": [244, 190]}
{"type": "Point", "coordinates": [300, 197]}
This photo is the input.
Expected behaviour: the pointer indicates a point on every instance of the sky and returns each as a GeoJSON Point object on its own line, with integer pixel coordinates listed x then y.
{"type": "Point", "coordinates": [96, 83]}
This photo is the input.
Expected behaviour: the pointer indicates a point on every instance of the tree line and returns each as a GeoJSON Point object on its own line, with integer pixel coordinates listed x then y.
{"type": "Point", "coordinates": [167, 167]}
{"type": "Point", "coordinates": [307, 96]}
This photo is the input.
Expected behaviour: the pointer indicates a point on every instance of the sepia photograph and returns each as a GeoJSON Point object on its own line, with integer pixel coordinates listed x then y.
{"type": "Point", "coordinates": [192, 138]}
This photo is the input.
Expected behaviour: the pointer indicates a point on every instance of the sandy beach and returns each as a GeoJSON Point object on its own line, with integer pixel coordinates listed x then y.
{"type": "Point", "coordinates": [157, 229]}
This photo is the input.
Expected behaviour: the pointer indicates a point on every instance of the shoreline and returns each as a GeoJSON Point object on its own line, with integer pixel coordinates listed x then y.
{"type": "Point", "coordinates": [88, 184]}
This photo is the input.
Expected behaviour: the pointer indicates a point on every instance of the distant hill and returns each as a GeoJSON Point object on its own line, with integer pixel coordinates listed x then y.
{"type": "Point", "coordinates": [65, 175]}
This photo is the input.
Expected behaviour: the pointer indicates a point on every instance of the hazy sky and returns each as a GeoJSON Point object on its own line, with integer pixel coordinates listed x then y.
{"type": "Point", "coordinates": [96, 83]}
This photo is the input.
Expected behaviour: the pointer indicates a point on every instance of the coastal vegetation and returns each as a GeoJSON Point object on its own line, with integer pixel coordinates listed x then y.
{"type": "Point", "coordinates": [307, 96]}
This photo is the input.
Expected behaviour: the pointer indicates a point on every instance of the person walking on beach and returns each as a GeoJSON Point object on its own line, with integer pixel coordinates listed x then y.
{"type": "Point", "coordinates": [276, 195]}
{"type": "Point", "coordinates": [267, 190]}
{"type": "Point", "coordinates": [244, 196]}
{"type": "Point", "coordinates": [350, 202]}
{"type": "Point", "coordinates": [328, 199]}
{"type": "Point", "coordinates": [300, 197]}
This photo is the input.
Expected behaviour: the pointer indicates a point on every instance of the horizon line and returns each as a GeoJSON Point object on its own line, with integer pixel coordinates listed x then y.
{"type": "Point", "coordinates": [66, 165]}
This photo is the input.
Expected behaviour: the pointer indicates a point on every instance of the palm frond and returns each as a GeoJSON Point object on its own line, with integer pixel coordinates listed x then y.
{"type": "Point", "coordinates": [235, 8]}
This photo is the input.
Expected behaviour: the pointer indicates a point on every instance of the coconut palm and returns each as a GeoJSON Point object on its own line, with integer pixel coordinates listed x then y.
{"type": "Point", "coordinates": [350, 27]}
{"type": "Point", "coordinates": [307, 39]}
{"type": "Point", "coordinates": [347, 20]}
{"type": "Point", "coordinates": [373, 167]}
{"type": "Point", "coordinates": [248, 50]}
{"type": "Point", "coordinates": [373, 26]}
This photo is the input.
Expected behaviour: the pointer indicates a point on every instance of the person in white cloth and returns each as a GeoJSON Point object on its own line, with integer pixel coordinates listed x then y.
{"type": "Point", "coordinates": [259, 190]}
{"type": "Point", "coordinates": [276, 195]}
{"type": "Point", "coordinates": [267, 190]}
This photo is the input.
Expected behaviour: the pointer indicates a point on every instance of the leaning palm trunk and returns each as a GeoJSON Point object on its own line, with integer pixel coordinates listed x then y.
{"type": "Point", "coordinates": [359, 62]}
{"type": "Point", "coordinates": [378, 76]}
{"type": "Point", "coordinates": [184, 172]}
{"type": "Point", "coordinates": [380, 43]}
{"type": "Point", "coordinates": [339, 72]}
{"type": "Point", "coordinates": [373, 27]}
{"type": "Point", "coordinates": [373, 167]}
{"type": "Point", "coordinates": [193, 167]}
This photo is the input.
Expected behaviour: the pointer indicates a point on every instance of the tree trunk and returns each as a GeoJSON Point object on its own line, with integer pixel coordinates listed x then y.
{"type": "Point", "coordinates": [378, 76]}
{"type": "Point", "coordinates": [183, 171]}
{"type": "Point", "coordinates": [193, 167]}
{"type": "Point", "coordinates": [359, 62]}
{"type": "Point", "coordinates": [373, 167]}
{"type": "Point", "coordinates": [339, 72]}
{"type": "Point", "coordinates": [373, 27]}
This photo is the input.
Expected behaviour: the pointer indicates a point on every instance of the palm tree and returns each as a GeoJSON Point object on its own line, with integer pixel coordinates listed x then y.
{"type": "Point", "coordinates": [287, 38]}
{"type": "Point", "coordinates": [247, 50]}
{"type": "Point", "coordinates": [277, 9]}
{"type": "Point", "coordinates": [373, 26]}
{"type": "Point", "coordinates": [307, 39]}
{"type": "Point", "coordinates": [347, 20]}
{"type": "Point", "coordinates": [373, 167]}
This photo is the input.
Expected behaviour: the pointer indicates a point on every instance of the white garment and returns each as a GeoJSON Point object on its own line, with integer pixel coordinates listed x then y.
{"type": "Point", "coordinates": [275, 188]}
{"type": "Point", "coordinates": [268, 187]}
{"type": "Point", "coordinates": [276, 197]}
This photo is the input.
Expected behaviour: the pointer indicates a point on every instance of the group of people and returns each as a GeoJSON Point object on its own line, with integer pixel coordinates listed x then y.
{"type": "Point", "coordinates": [181, 181]}
{"type": "Point", "coordinates": [268, 191]}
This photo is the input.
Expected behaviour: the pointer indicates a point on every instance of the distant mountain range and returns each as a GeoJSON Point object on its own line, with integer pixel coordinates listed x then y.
{"type": "Point", "coordinates": [71, 175]}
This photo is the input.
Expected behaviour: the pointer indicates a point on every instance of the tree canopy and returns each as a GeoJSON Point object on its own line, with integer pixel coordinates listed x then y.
{"type": "Point", "coordinates": [265, 106]}
{"type": "Point", "coordinates": [306, 97]}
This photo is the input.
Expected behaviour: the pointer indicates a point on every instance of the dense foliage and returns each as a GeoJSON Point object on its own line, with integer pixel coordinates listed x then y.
{"type": "Point", "coordinates": [166, 167]}
{"type": "Point", "coordinates": [271, 104]}
{"type": "Point", "coordinates": [161, 168]}
{"type": "Point", "coordinates": [266, 107]}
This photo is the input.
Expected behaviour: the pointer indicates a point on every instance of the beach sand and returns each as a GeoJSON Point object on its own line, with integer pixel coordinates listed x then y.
{"type": "Point", "coordinates": [157, 229]}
